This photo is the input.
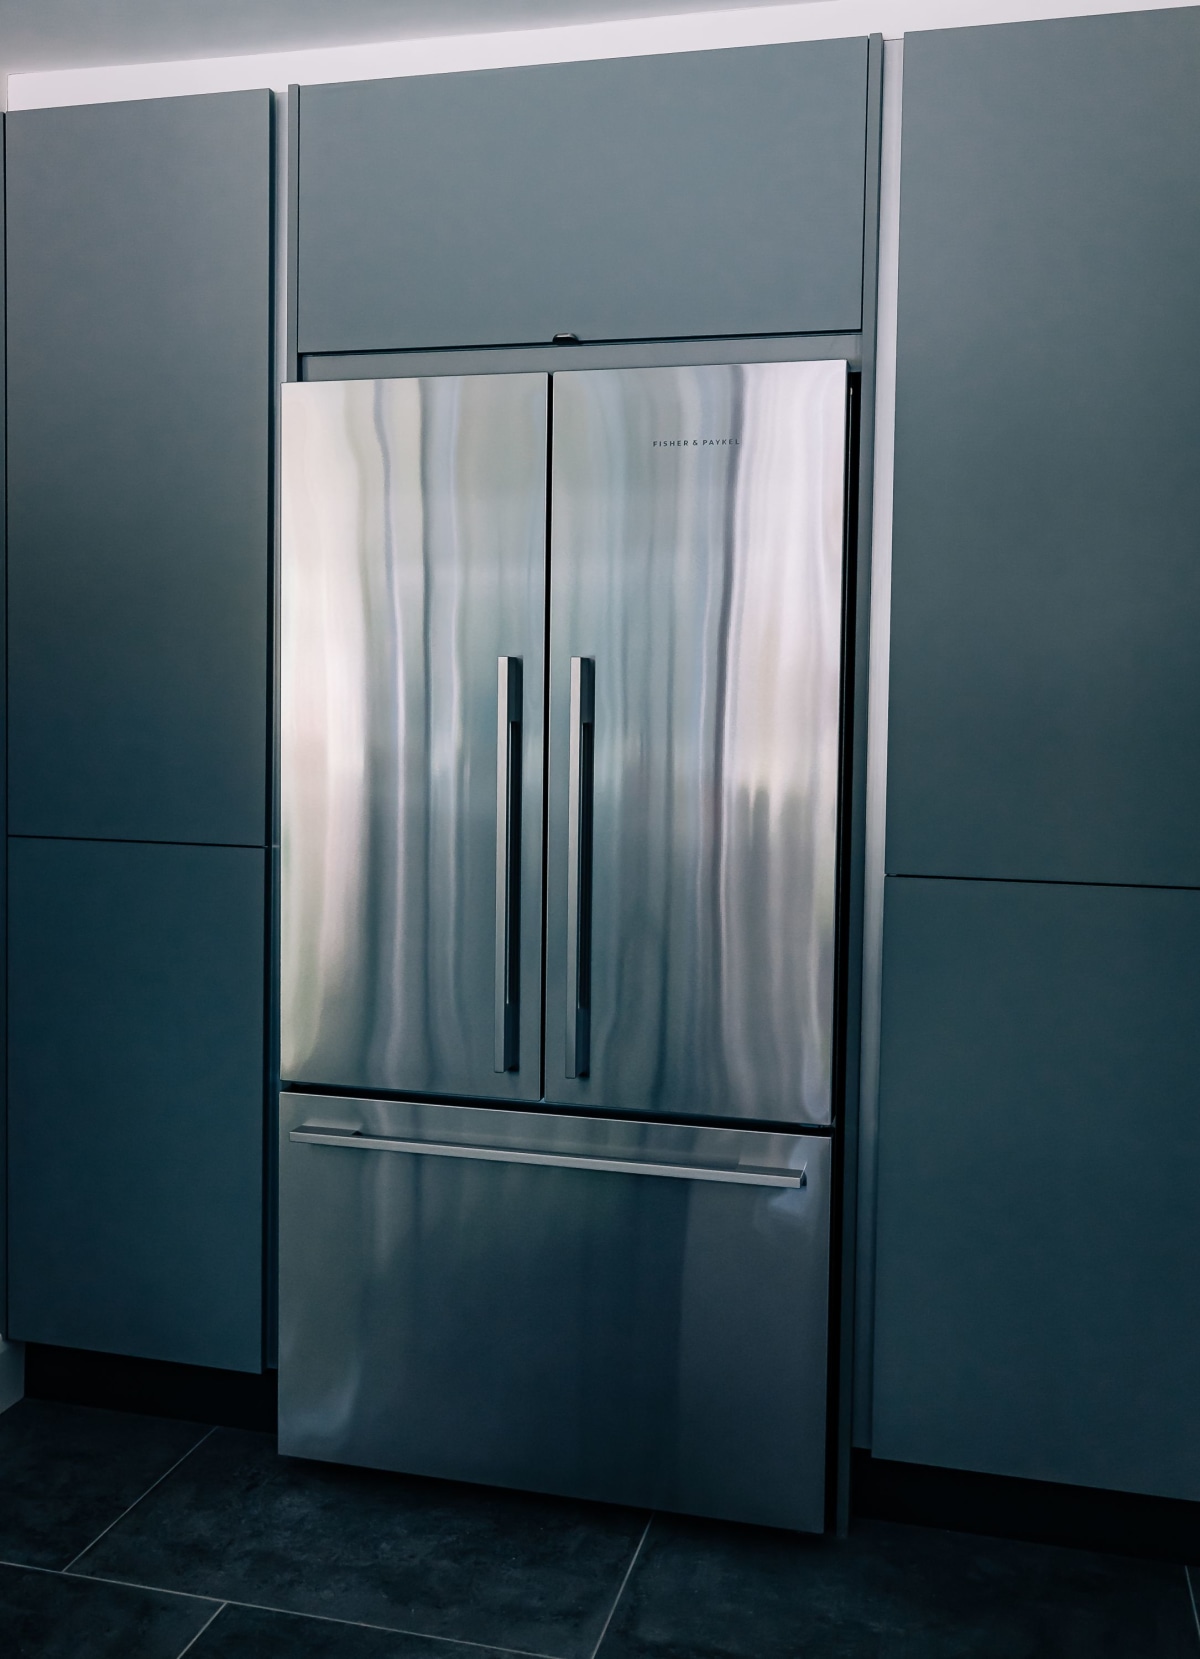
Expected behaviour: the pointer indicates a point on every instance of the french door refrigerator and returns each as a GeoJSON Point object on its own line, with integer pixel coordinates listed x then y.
{"type": "Point", "coordinates": [560, 733]}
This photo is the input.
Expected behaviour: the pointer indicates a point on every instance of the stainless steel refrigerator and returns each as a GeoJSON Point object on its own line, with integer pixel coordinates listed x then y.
{"type": "Point", "coordinates": [560, 748]}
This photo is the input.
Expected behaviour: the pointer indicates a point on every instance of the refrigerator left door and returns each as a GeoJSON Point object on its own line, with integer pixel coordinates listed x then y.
{"type": "Point", "coordinates": [412, 634]}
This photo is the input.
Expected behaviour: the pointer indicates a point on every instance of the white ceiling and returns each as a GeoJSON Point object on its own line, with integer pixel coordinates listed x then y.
{"type": "Point", "coordinates": [77, 34]}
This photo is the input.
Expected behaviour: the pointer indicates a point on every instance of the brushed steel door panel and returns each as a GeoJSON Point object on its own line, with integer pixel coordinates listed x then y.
{"type": "Point", "coordinates": [695, 702]}
{"type": "Point", "coordinates": [621, 1310]}
{"type": "Point", "coordinates": [413, 537]}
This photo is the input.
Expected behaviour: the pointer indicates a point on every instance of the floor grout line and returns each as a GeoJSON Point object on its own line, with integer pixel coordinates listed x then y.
{"type": "Point", "coordinates": [1191, 1588]}
{"type": "Point", "coordinates": [624, 1582]}
{"type": "Point", "coordinates": [120, 1583]}
{"type": "Point", "coordinates": [297, 1613]}
{"type": "Point", "coordinates": [32, 1567]}
{"type": "Point", "coordinates": [138, 1499]}
{"type": "Point", "coordinates": [154, 1589]}
{"type": "Point", "coordinates": [201, 1630]}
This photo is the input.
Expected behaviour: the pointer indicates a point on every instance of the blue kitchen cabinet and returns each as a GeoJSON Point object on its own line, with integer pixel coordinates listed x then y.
{"type": "Point", "coordinates": [1044, 718]}
{"type": "Point", "coordinates": [1039, 1159]}
{"type": "Point", "coordinates": [139, 410]}
{"type": "Point", "coordinates": [678, 195]}
{"type": "Point", "coordinates": [136, 1072]}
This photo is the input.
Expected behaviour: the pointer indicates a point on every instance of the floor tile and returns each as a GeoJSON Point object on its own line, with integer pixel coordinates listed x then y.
{"type": "Point", "coordinates": [238, 1522]}
{"type": "Point", "coordinates": [248, 1633]}
{"type": "Point", "coordinates": [705, 1591]}
{"type": "Point", "coordinates": [45, 1615]}
{"type": "Point", "coordinates": [67, 1472]}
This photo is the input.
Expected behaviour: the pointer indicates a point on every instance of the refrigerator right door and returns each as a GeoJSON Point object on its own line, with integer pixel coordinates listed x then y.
{"type": "Point", "coordinates": [697, 558]}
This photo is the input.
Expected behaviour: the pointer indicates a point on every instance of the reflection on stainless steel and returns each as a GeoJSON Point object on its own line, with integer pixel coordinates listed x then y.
{"type": "Point", "coordinates": [622, 1309]}
{"type": "Point", "coordinates": [697, 560]}
{"type": "Point", "coordinates": [318, 1135]}
{"type": "Point", "coordinates": [582, 1330]}
{"type": "Point", "coordinates": [413, 532]}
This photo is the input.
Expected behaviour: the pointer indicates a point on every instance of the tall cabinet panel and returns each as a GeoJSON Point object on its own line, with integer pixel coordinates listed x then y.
{"type": "Point", "coordinates": [1038, 1155]}
{"type": "Point", "coordinates": [1044, 720]}
{"type": "Point", "coordinates": [701, 193]}
{"type": "Point", "coordinates": [139, 434]}
{"type": "Point", "coordinates": [139, 258]}
{"type": "Point", "coordinates": [136, 1075]}
{"type": "Point", "coordinates": [1038, 1253]}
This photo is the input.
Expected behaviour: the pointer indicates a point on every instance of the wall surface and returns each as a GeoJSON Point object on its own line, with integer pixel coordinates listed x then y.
{"type": "Point", "coordinates": [686, 32]}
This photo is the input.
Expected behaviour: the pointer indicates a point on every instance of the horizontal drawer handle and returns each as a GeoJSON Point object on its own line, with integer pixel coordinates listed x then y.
{"type": "Point", "coordinates": [317, 1135]}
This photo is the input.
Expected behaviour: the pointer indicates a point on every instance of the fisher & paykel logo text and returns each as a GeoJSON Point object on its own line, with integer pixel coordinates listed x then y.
{"type": "Point", "coordinates": [692, 443]}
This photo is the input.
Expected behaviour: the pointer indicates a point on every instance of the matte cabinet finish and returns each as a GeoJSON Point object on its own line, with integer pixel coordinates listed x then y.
{"type": "Point", "coordinates": [705, 193]}
{"type": "Point", "coordinates": [136, 1065]}
{"type": "Point", "coordinates": [139, 428]}
{"type": "Point", "coordinates": [1038, 1253]}
{"type": "Point", "coordinates": [1045, 695]}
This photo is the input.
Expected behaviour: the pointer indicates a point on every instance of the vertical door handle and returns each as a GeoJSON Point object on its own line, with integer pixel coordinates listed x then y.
{"type": "Point", "coordinates": [508, 861]}
{"type": "Point", "coordinates": [579, 866]}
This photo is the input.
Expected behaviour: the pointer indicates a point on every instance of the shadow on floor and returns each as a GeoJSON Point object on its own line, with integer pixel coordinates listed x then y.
{"type": "Point", "coordinates": [141, 1538]}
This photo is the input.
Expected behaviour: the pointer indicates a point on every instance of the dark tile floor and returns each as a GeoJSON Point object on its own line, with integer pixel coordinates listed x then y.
{"type": "Point", "coordinates": [125, 1537]}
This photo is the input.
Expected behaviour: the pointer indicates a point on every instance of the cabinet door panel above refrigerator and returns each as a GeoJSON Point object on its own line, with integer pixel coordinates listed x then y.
{"type": "Point", "coordinates": [695, 686]}
{"type": "Point", "coordinates": [413, 605]}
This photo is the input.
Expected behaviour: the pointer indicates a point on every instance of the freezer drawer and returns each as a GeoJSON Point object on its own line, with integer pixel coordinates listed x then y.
{"type": "Point", "coordinates": [625, 1311]}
